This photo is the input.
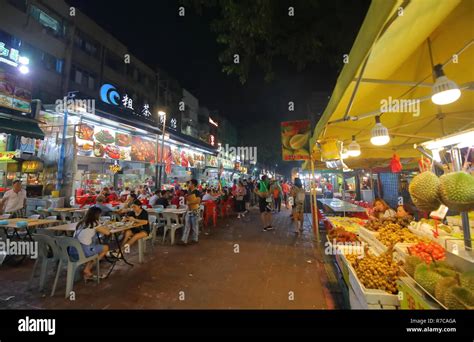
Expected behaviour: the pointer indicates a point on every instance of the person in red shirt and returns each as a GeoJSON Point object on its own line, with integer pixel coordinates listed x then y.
{"type": "Point", "coordinates": [285, 187]}
{"type": "Point", "coordinates": [175, 199]}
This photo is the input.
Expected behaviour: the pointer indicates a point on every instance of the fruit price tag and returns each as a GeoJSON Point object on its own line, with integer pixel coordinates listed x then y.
{"type": "Point", "coordinates": [455, 249]}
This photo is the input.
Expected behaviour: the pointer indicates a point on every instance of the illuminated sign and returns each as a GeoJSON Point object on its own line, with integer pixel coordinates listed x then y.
{"type": "Point", "coordinates": [212, 122]}
{"type": "Point", "coordinates": [7, 157]}
{"type": "Point", "coordinates": [12, 57]}
{"type": "Point", "coordinates": [110, 95]}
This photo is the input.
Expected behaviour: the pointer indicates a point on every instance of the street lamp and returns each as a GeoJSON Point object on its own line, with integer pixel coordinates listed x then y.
{"type": "Point", "coordinates": [162, 115]}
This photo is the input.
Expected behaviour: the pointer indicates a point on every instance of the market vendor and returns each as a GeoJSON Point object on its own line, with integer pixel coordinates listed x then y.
{"type": "Point", "coordinates": [403, 212]}
{"type": "Point", "coordinates": [381, 210]}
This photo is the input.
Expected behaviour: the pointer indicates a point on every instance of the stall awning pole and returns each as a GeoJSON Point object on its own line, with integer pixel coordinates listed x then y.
{"type": "Point", "coordinates": [314, 204]}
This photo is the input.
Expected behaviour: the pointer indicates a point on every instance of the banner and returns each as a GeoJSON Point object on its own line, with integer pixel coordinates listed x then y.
{"type": "Point", "coordinates": [295, 140]}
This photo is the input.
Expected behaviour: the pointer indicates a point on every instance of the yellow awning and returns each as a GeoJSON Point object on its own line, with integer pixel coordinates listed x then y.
{"type": "Point", "coordinates": [396, 41]}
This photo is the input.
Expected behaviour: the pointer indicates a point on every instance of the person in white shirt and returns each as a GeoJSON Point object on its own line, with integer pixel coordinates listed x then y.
{"type": "Point", "coordinates": [143, 195]}
{"type": "Point", "coordinates": [125, 192]}
{"type": "Point", "coordinates": [86, 233]}
{"type": "Point", "coordinates": [14, 201]}
{"type": "Point", "coordinates": [154, 198]}
{"type": "Point", "coordinates": [207, 196]}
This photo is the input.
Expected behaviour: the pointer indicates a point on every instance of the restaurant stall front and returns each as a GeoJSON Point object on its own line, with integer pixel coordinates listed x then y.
{"type": "Point", "coordinates": [406, 96]}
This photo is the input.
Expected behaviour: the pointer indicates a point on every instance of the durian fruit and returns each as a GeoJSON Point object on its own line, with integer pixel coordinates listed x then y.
{"type": "Point", "coordinates": [456, 191]}
{"type": "Point", "coordinates": [467, 280]}
{"type": "Point", "coordinates": [457, 297]}
{"type": "Point", "coordinates": [424, 191]}
{"type": "Point", "coordinates": [427, 278]}
{"type": "Point", "coordinates": [445, 272]}
{"type": "Point", "coordinates": [442, 287]}
{"type": "Point", "coordinates": [411, 262]}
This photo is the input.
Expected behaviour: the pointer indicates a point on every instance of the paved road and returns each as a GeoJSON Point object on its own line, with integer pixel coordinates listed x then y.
{"type": "Point", "coordinates": [272, 270]}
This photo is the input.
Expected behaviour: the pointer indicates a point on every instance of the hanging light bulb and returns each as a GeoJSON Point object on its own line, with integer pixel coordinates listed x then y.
{"type": "Point", "coordinates": [379, 133]}
{"type": "Point", "coordinates": [444, 90]}
{"type": "Point", "coordinates": [354, 148]}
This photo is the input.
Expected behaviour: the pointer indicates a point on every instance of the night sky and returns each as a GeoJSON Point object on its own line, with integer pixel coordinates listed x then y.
{"type": "Point", "coordinates": [186, 48]}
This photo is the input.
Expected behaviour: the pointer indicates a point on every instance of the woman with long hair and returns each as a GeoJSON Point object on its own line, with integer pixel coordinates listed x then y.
{"type": "Point", "coordinates": [298, 194]}
{"type": "Point", "coordinates": [86, 233]}
{"type": "Point", "coordinates": [381, 210]}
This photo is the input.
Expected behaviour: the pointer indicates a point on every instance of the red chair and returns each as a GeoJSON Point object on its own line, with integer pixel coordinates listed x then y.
{"type": "Point", "coordinates": [210, 210]}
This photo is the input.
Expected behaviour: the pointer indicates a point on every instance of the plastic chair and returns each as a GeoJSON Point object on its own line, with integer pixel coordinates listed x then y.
{"type": "Point", "coordinates": [77, 216]}
{"type": "Point", "coordinates": [172, 224]}
{"type": "Point", "coordinates": [34, 217]}
{"type": "Point", "coordinates": [210, 211]}
{"type": "Point", "coordinates": [201, 214]}
{"type": "Point", "coordinates": [151, 237]}
{"type": "Point", "coordinates": [172, 206]}
{"type": "Point", "coordinates": [158, 206]}
{"type": "Point", "coordinates": [48, 252]}
{"type": "Point", "coordinates": [64, 243]}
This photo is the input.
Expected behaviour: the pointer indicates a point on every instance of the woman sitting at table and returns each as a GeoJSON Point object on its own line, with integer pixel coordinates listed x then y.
{"type": "Point", "coordinates": [127, 205]}
{"type": "Point", "coordinates": [133, 235]}
{"type": "Point", "coordinates": [381, 210]}
{"type": "Point", "coordinates": [86, 233]}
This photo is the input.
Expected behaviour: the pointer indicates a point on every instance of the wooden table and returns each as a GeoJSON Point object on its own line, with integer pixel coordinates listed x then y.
{"type": "Point", "coordinates": [66, 228]}
{"type": "Point", "coordinates": [64, 211]}
{"type": "Point", "coordinates": [32, 223]}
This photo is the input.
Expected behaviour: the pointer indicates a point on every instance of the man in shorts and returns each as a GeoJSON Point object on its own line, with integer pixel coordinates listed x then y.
{"type": "Point", "coordinates": [264, 203]}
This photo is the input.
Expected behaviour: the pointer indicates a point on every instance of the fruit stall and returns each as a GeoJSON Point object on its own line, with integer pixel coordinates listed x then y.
{"type": "Point", "coordinates": [406, 263]}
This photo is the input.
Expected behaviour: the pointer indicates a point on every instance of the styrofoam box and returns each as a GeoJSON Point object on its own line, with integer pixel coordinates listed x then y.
{"type": "Point", "coordinates": [367, 234]}
{"type": "Point", "coordinates": [369, 296]}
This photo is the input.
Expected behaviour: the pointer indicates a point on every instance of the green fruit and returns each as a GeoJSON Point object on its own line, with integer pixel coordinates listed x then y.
{"type": "Point", "coordinates": [286, 142]}
{"type": "Point", "coordinates": [442, 287]}
{"type": "Point", "coordinates": [467, 280]}
{"type": "Point", "coordinates": [459, 298]}
{"type": "Point", "coordinates": [457, 191]}
{"type": "Point", "coordinates": [427, 278]}
{"type": "Point", "coordinates": [410, 264]}
{"type": "Point", "coordinates": [299, 141]}
{"type": "Point", "coordinates": [424, 191]}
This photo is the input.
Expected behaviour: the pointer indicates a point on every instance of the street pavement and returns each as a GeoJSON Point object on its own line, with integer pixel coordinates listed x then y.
{"type": "Point", "coordinates": [237, 266]}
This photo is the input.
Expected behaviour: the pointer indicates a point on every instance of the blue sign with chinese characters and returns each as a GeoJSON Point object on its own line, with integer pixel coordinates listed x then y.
{"type": "Point", "coordinates": [110, 95]}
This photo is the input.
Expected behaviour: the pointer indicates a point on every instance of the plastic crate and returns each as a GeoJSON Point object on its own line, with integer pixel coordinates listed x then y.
{"type": "Point", "coordinates": [366, 297]}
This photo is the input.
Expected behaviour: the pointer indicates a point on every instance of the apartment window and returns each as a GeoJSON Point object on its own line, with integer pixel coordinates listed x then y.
{"type": "Point", "coordinates": [47, 21]}
{"type": "Point", "coordinates": [114, 62]}
{"type": "Point", "coordinates": [86, 44]}
{"type": "Point", "coordinates": [59, 66]}
{"type": "Point", "coordinates": [91, 82]}
{"type": "Point", "coordinates": [77, 76]}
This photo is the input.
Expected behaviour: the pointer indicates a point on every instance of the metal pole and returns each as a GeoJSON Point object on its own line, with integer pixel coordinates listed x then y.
{"type": "Point", "coordinates": [457, 163]}
{"type": "Point", "coordinates": [60, 176]}
{"type": "Point", "coordinates": [314, 208]}
{"type": "Point", "coordinates": [162, 151]}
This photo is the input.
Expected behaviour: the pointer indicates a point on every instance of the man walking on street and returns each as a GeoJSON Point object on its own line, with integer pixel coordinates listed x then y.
{"type": "Point", "coordinates": [264, 202]}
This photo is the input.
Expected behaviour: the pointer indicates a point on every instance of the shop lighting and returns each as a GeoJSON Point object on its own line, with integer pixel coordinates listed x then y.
{"type": "Point", "coordinates": [24, 69]}
{"type": "Point", "coordinates": [379, 133]}
{"type": "Point", "coordinates": [465, 139]}
{"type": "Point", "coordinates": [23, 60]}
{"type": "Point", "coordinates": [354, 148]}
{"type": "Point", "coordinates": [444, 90]}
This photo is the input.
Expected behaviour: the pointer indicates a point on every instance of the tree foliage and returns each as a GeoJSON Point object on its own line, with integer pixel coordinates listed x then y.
{"type": "Point", "coordinates": [263, 32]}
